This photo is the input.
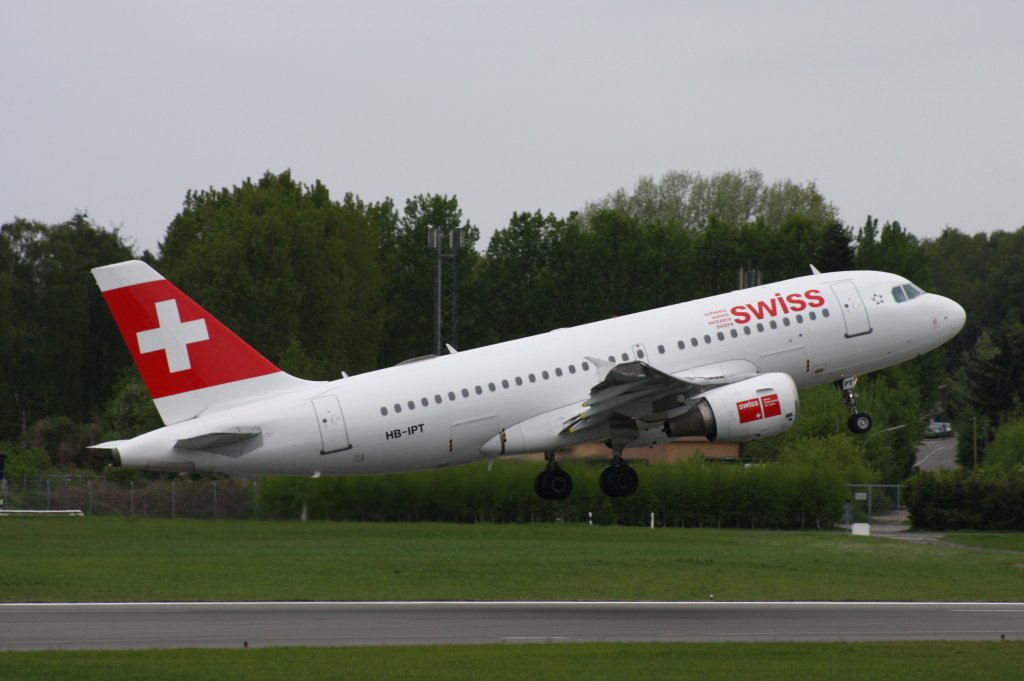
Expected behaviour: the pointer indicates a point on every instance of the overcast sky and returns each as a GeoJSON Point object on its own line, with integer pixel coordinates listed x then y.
{"type": "Point", "coordinates": [909, 111]}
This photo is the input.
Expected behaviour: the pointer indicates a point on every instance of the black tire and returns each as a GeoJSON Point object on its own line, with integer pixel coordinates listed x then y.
{"type": "Point", "coordinates": [553, 485]}
{"type": "Point", "coordinates": [859, 423]}
{"type": "Point", "coordinates": [619, 481]}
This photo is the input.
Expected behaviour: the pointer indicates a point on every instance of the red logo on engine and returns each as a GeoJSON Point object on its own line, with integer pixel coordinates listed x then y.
{"type": "Point", "coordinates": [776, 305]}
{"type": "Point", "coordinates": [756, 409]}
{"type": "Point", "coordinates": [749, 410]}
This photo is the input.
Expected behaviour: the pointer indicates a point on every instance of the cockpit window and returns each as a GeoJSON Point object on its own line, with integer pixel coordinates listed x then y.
{"type": "Point", "coordinates": [905, 292]}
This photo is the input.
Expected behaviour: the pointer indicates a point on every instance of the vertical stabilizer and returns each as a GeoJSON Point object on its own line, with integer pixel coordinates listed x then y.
{"type": "Point", "coordinates": [189, 361]}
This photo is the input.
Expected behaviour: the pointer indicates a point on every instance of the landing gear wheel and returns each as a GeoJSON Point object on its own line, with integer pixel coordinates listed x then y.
{"type": "Point", "coordinates": [859, 423]}
{"type": "Point", "coordinates": [553, 484]}
{"type": "Point", "coordinates": [619, 480]}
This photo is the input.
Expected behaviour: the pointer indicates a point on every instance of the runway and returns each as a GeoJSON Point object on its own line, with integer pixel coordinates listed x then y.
{"type": "Point", "coordinates": [55, 626]}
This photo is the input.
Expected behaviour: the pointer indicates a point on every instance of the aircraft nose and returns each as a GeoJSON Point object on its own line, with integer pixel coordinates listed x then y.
{"type": "Point", "coordinates": [955, 316]}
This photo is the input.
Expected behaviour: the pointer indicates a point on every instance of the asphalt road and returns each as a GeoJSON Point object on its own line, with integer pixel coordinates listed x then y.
{"type": "Point", "coordinates": [936, 454]}
{"type": "Point", "coordinates": [231, 625]}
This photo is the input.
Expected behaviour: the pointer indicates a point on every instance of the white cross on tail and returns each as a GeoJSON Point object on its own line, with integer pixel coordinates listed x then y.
{"type": "Point", "coordinates": [172, 336]}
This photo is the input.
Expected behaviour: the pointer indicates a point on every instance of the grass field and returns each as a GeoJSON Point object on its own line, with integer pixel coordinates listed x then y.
{"type": "Point", "coordinates": [1003, 541]}
{"type": "Point", "coordinates": [708, 662]}
{"type": "Point", "coordinates": [106, 559]}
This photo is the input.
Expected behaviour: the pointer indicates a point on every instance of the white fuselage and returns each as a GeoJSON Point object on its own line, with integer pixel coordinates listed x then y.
{"type": "Point", "coordinates": [445, 410]}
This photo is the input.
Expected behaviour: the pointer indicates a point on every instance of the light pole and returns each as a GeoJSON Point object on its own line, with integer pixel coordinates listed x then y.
{"type": "Point", "coordinates": [887, 430]}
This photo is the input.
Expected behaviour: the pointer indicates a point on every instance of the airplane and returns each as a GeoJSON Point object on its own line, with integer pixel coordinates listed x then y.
{"type": "Point", "coordinates": [727, 368]}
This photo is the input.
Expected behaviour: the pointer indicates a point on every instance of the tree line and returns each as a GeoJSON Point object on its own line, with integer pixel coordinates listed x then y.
{"type": "Point", "coordinates": [322, 285]}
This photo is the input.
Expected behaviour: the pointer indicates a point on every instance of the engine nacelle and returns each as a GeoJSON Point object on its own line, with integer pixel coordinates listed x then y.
{"type": "Point", "coordinates": [746, 410]}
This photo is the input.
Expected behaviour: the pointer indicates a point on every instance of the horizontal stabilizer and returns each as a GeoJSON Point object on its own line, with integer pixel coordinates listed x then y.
{"type": "Point", "coordinates": [113, 444]}
{"type": "Point", "coordinates": [219, 440]}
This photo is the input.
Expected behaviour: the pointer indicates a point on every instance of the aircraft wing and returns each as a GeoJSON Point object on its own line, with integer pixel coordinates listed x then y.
{"type": "Point", "coordinates": [639, 390]}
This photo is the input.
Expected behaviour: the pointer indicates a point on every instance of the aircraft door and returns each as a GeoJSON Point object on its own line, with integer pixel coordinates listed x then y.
{"type": "Point", "coordinates": [333, 431]}
{"type": "Point", "coordinates": [854, 313]}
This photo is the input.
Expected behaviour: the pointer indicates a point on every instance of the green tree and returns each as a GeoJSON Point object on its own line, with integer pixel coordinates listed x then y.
{"type": "Point", "coordinates": [409, 268]}
{"type": "Point", "coordinates": [835, 252]}
{"type": "Point", "coordinates": [515, 280]}
{"type": "Point", "coordinates": [1006, 452]}
{"type": "Point", "coordinates": [891, 249]}
{"type": "Point", "coordinates": [61, 346]}
{"type": "Point", "coordinates": [289, 269]}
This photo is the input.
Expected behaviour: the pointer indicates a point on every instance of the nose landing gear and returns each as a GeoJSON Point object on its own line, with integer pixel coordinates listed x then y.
{"type": "Point", "coordinates": [858, 421]}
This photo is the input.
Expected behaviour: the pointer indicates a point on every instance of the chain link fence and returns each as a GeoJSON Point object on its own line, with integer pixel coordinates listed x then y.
{"type": "Point", "coordinates": [180, 498]}
{"type": "Point", "coordinates": [877, 504]}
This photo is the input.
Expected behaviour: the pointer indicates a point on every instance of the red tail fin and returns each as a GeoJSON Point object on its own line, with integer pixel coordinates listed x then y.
{"type": "Point", "coordinates": [189, 361]}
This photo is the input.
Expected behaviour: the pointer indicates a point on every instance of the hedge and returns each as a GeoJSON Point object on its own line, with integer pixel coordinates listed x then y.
{"type": "Point", "coordinates": [966, 500]}
{"type": "Point", "coordinates": [689, 494]}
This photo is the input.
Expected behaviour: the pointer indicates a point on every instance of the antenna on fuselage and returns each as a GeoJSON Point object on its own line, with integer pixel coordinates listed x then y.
{"type": "Point", "coordinates": [814, 270]}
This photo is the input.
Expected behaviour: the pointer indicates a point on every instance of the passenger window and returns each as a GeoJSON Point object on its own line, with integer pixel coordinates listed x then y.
{"type": "Point", "coordinates": [586, 366]}
{"type": "Point", "coordinates": [707, 339]}
{"type": "Point", "coordinates": [746, 330]}
{"type": "Point", "coordinates": [572, 368]}
{"type": "Point", "coordinates": [558, 372]}
{"type": "Point", "coordinates": [682, 345]}
{"type": "Point", "coordinates": [611, 358]}
{"type": "Point", "coordinates": [824, 313]}
{"type": "Point", "coordinates": [383, 411]}
{"type": "Point", "coordinates": [491, 387]}
{"type": "Point", "coordinates": [693, 342]}
{"type": "Point", "coordinates": [773, 324]}
{"type": "Point", "coordinates": [721, 336]}
{"type": "Point", "coordinates": [479, 390]}
{"type": "Point", "coordinates": [785, 321]}
{"type": "Point", "coordinates": [424, 401]}
{"type": "Point", "coordinates": [897, 293]}
{"type": "Point", "coordinates": [799, 319]}
{"type": "Point", "coordinates": [813, 315]}
{"type": "Point", "coordinates": [760, 327]}
{"type": "Point", "coordinates": [533, 379]}
{"type": "Point", "coordinates": [412, 405]}
{"type": "Point", "coordinates": [661, 349]}
{"type": "Point", "coordinates": [625, 357]}
{"type": "Point", "coordinates": [465, 392]}
{"type": "Point", "coordinates": [519, 380]}
{"type": "Point", "coordinates": [733, 333]}
{"type": "Point", "coordinates": [437, 399]}
{"type": "Point", "coordinates": [504, 383]}
{"type": "Point", "coordinates": [545, 375]}
{"type": "Point", "coordinates": [398, 408]}
{"type": "Point", "coordinates": [451, 396]}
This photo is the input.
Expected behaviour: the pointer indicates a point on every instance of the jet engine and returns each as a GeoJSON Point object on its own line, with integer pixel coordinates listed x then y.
{"type": "Point", "coordinates": [746, 410]}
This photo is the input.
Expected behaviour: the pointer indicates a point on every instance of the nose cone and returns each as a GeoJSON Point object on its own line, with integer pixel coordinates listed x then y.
{"type": "Point", "coordinates": [957, 316]}
{"type": "Point", "coordinates": [953, 316]}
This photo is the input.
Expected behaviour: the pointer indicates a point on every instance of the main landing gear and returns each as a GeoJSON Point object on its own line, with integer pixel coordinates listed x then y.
{"type": "Point", "coordinates": [552, 483]}
{"type": "Point", "coordinates": [858, 422]}
{"type": "Point", "coordinates": [617, 480]}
